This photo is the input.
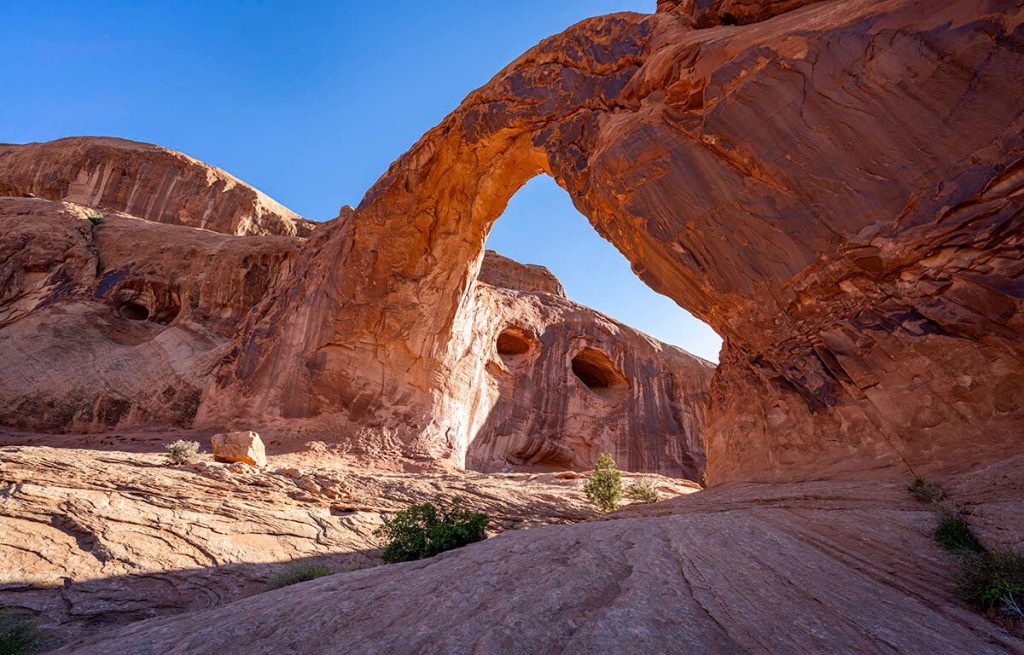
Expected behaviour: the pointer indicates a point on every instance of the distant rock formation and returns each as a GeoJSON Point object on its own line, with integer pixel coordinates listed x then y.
{"type": "Point", "coordinates": [143, 180]}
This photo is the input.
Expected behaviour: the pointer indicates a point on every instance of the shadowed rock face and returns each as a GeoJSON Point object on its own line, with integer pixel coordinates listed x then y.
{"type": "Point", "coordinates": [836, 190]}
{"type": "Point", "coordinates": [118, 324]}
{"type": "Point", "coordinates": [553, 384]}
{"type": "Point", "coordinates": [143, 180]}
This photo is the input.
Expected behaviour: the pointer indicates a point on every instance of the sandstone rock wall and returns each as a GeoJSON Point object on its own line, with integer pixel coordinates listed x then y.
{"type": "Point", "coordinates": [120, 324]}
{"type": "Point", "coordinates": [500, 271]}
{"type": "Point", "coordinates": [836, 190]}
{"type": "Point", "coordinates": [143, 180]}
{"type": "Point", "coordinates": [549, 384]}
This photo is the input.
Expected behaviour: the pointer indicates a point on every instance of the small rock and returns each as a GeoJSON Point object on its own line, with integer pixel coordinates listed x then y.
{"type": "Point", "coordinates": [291, 472]}
{"type": "Point", "coordinates": [308, 484]}
{"type": "Point", "coordinates": [243, 447]}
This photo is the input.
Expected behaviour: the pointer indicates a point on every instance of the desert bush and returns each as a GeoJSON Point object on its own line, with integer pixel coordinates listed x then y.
{"type": "Point", "coordinates": [18, 634]}
{"type": "Point", "coordinates": [604, 486]}
{"type": "Point", "coordinates": [183, 452]}
{"type": "Point", "coordinates": [927, 491]}
{"type": "Point", "coordinates": [294, 573]}
{"type": "Point", "coordinates": [427, 529]}
{"type": "Point", "coordinates": [993, 580]}
{"type": "Point", "coordinates": [954, 534]}
{"type": "Point", "coordinates": [94, 217]}
{"type": "Point", "coordinates": [642, 491]}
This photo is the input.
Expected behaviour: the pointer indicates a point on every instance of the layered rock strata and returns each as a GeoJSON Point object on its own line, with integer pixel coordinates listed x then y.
{"type": "Point", "coordinates": [146, 181]}
{"type": "Point", "coordinates": [810, 567]}
{"type": "Point", "coordinates": [93, 539]}
{"type": "Point", "coordinates": [836, 190]}
{"type": "Point", "coordinates": [119, 323]}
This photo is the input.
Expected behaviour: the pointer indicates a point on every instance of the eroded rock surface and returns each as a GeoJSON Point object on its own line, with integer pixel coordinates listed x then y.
{"type": "Point", "coordinates": [144, 180]}
{"type": "Point", "coordinates": [122, 323]}
{"type": "Point", "coordinates": [836, 190]}
{"type": "Point", "coordinates": [91, 539]}
{"type": "Point", "coordinates": [838, 567]}
{"type": "Point", "coordinates": [554, 384]}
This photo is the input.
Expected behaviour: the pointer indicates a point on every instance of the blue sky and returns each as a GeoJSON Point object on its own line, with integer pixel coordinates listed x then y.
{"type": "Point", "coordinates": [310, 102]}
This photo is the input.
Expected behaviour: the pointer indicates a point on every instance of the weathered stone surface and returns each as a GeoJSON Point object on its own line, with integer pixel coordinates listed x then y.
{"type": "Point", "coordinates": [846, 214]}
{"type": "Point", "coordinates": [91, 539]}
{"type": "Point", "coordinates": [708, 13]}
{"type": "Point", "coordinates": [500, 271]}
{"type": "Point", "coordinates": [554, 384]}
{"type": "Point", "coordinates": [810, 567]}
{"type": "Point", "coordinates": [245, 447]}
{"type": "Point", "coordinates": [143, 180]}
{"type": "Point", "coordinates": [142, 313]}
{"type": "Point", "coordinates": [118, 324]}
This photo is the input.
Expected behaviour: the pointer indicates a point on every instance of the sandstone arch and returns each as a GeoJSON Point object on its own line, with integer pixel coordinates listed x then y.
{"type": "Point", "coordinates": [840, 198]}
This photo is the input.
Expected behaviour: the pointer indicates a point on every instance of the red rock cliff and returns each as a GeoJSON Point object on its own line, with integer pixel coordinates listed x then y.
{"type": "Point", "coordinates": [836, 190]}
{"type": "Point", "coordinates": [143, 180]}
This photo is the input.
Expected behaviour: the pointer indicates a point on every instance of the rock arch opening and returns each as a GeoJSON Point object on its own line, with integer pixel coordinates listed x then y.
{"type": "Point", "coordinates": [540, 226]}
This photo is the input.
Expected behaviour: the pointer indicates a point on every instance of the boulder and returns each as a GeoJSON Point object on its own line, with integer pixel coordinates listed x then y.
{"type": "Point", "coordinates": [245, 447]}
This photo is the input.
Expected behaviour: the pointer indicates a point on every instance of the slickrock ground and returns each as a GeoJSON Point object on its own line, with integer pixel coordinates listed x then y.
{"type": "Point", "coordinates": [91, 539]}
{"type": "Point", "coordinates": [811, 567]}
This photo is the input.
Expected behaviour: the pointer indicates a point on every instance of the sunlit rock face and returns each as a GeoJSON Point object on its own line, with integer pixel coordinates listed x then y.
{"type": "Point", "coordinates": [118, 323]}
{"type": "Point", "coordinates": [835, 189]}
{"type": "Point", "coordinates": [146, 181]}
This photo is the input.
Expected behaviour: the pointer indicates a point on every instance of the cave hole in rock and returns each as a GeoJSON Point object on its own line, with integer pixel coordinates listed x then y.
{"type": "Point", "coordinates": [540, 225]}
{"type": "Point", "coordinates": [596, 370]}
{"type": "Point", "coordinates": [512, 343]}
{"type": "Point", "coordinates": [133, 311]}
{"type": "Point", "coordinates": [148, 300]}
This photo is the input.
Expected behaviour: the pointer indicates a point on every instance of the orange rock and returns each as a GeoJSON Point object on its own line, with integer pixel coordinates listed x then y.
{"type": "Point", "coordinates": [143, 180]}
{"type": "Point", "coordinates": [157, 316]}
{"type": "Point", "coordinates": [846, 217]}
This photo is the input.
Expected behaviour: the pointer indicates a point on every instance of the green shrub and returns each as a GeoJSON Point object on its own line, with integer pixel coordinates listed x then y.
{"type": "Point", "coordinates": [183, 452]}
{"type": "Point", "coordinates": [929, 492]}
{"type": "Point", "coordinates": [94, 217]}
{"type": "Point", "coordinates": [294, 573]}
{"type": "Point", "coordinates": [954, 534]}
{"type": "Point", "coordinates": [604, 486]}
{"type": "Point", "coordinates": [18, 634]}
{"type": "Point", "coordinates": [992, 580]}
{"type": "Point", "coordinates": [425, 530]}
{"type": "Point", "coordinates": [642, 491]}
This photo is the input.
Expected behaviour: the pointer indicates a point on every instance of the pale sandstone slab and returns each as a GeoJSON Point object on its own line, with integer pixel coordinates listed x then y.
{"type": "Point", "coordinates": [245, 447]}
